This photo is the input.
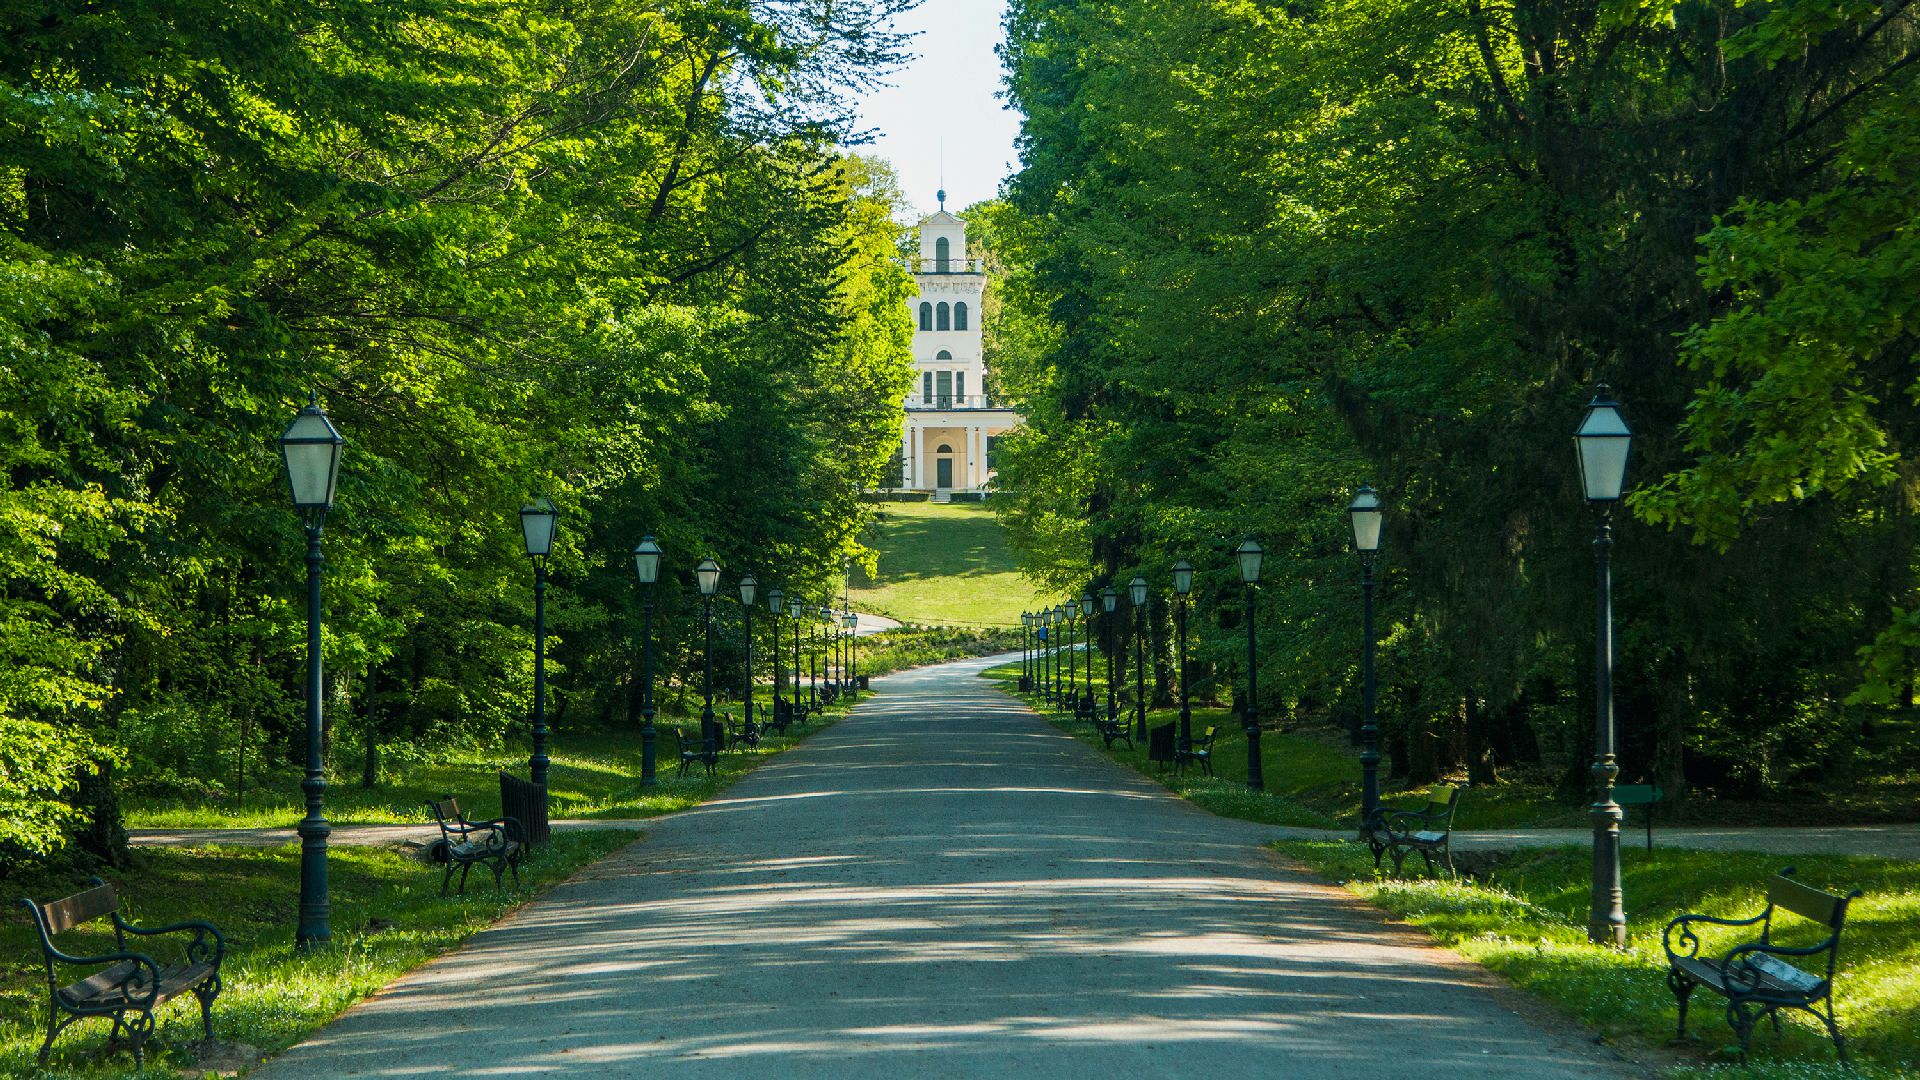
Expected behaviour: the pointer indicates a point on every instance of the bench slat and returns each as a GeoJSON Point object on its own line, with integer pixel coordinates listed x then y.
{"type": "Point", "coordinates": [1806, 901]}
{"type": "Point", "coordinates": [81, 907]}
{"type": "Point", "coordinates": [119, 985]}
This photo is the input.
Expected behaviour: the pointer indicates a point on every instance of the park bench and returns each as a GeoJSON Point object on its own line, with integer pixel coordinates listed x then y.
{"type": "Point", "coordinates": [1755, 977]}
{"type": "Point", "coordinates": [1200, 753]}
{"type": "Point", "coordinates": [1113, 728]}
{"type": "Point", "coordinates": [738, 734]}
{"type": "Point", "coordinates": [498, 844]}
{"type": "Point", "coordinates": [694, 751]}
{"type": "Point", "coordinates": [526, 803]}
{"type": "Point", "coordinates": [782, 716]}
{"type": "Point", "coordinates": [1086, 709]}
{"type": "Point", "coordinates": [1428, 830]}
{"type": "Point", "coordinates": [126, 986]}
{"type": "Point", "coordinates": [1160, 744]}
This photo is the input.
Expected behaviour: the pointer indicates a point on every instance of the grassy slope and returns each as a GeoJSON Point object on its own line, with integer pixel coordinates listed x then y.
{"type": "Point", "coordinates": [943, 565]}
{"type": "Point", "coordinates": [388, 916]}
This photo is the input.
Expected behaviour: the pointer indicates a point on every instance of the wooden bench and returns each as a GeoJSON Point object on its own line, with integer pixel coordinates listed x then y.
{"type": "Point", "coordinates": [499, 844]}
{"type": "Point", "coordinates": [1086, 709]}
{"type": "Point", "coordinates": [1116, 727]}
{"type": "Point", "coordinates": [127, 986]}
{"type": "Point", "coordinates": [1428, 830]}
{"type": "Point", "coordinates": [738, 735]}
{"type": "Point", "coordinates": [1755, 976]}
{"type": "Point", "coordinates": [1625, 795]}
{"type": "Point", "coordinates": [694, 751]}
{"type": "Point", "coordinates": [1200, 753]}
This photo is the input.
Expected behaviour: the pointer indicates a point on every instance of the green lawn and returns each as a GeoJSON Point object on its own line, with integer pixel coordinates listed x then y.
{"type": "Point", "coordinates": [1310, 781]}
{"type": "Point", "coordinates": [388, 917]}
{"type": "Point", "coordinates": [1529, 925]}
{"type": "Point", "coordinates": [592, 775]}
{"type": "Point", "coordinates": [943, 565]}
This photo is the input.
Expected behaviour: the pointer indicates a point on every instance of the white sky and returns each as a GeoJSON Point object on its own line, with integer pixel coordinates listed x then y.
{"type": "Point", "coordinates": [948, 91]}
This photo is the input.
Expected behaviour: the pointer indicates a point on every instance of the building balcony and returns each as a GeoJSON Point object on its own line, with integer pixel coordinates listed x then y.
{"type": "Point", "coordinates": [947, 266]}
{"type": "Point", "coordinates": [924, 402]}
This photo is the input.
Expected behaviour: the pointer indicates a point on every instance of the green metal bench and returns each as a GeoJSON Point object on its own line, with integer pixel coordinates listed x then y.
{"type": "Point", "coordinates": [1757, 977]}
{"type": "Point", "coordinates": [1200, 753]}
{"type": "Point", "coordinates": [498, 844]}
{"type": "Point", "coordinates": [693, 751]}
{"type": "Point", "coordinates": [125, 986]}
{"type": "Point", "coordinates": [1428, 830]}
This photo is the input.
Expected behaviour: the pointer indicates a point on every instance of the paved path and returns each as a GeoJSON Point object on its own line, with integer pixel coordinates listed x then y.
{"type": "Point", "coordinates": [942, 885]}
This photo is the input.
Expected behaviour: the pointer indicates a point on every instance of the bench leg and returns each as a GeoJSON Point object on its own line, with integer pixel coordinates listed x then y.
{"type": "Point", "coordinates": [465, 869]}
{"type": "Point", "coordinates": [1833, 1029]}
{"type": "Point", "coordinates": [1682, 988]}
{"type": "Point", "coordinates": [1741, 1019]}
{"type": "Point", "coordinates": [1399, 860]}
{"type": "Point", "coordinates": [55, 1024]}
{"type": "Point", "coordinates": [206, 992]}
{"type": "Point", "coordinates": [139, 1031]}
{"type": "Point", "coordinates": [447, 874]}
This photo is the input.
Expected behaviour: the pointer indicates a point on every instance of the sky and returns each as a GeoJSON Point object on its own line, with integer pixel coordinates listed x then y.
{"type": "Point", "coordinates": [946, 92]}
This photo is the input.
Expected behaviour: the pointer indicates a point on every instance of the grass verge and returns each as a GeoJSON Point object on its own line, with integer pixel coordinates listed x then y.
{"type": "Point", "coordinates": [388, 917]}
{"type": "Point", "coordinates": [1528, 923]}
{"type": "Point", "coordinates": [943, 564]}
{"type": "Point", "coordinates": [592, 775]}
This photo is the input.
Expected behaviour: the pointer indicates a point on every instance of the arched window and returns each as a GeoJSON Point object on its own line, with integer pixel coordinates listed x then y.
{"type": "Point", "coordinates": [943, 448]}
{"type": "Point", "coordinates": [926, 315]}
{"type": "Point", "coordinates": [941, 250]}
{"type": "Point", "coordinates": [942, 317]}
{"type": "Point", "coordinates": [943, 355]}
{"type": "Point", "coordinates": [960, 316]}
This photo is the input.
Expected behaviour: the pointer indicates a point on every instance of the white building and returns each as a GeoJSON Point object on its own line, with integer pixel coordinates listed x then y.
{"type": "Point", "coordinates": [951, 424]}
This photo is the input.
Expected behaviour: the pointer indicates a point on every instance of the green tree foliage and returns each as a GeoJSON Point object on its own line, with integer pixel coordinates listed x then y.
{"type": "Point", "coordinates": [610, 254]}
{"type": "Point", "coordinates": [1260, 253]}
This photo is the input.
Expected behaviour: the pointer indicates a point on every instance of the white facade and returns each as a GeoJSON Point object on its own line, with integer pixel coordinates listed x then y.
{"type": "Point", "coordinates": [950, 419]}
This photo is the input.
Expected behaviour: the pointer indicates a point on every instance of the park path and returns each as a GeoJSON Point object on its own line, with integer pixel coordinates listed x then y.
{"type": "Point", "coordinates": [943, 885]}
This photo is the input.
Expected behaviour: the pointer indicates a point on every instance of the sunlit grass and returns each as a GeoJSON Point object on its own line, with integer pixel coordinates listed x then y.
{"type": "Point", "coordinates": [593, 775]}
{"type": "Point", "coordinates": [943, 564]}
{"type": "Point", "coordinates": [388, 917]}
{"type": "Point", "coordinates": [1529, 925]}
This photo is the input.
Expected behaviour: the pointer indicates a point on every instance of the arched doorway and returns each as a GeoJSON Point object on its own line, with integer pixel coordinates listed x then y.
{"type": "Point", "coordinates": [943, 466]}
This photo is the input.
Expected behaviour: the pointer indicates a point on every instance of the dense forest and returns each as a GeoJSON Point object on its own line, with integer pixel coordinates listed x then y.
{"type": "Point", "coordinates": [607, 252]}
{"type": "Point", "coordinates": [1261, 253]}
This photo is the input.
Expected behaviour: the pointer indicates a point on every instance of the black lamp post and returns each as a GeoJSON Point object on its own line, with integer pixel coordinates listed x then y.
{"type": "Point", "coordinates": [1046, 654]}
{"type": "Point", "coordinates": [1250, 553]}
{"type": "Point", "coordinates": [1183, 588]}
{"type": "Point", "coordinates": [707, 574]}
{"type": "Point", "coordinates": [1086, 616]}
{"type": "Point", "coordinates": [1365, 515]}
{"type": "Point", "coordinates": [536, 529]}
{"type": "Point", "coordinates": [1026, 652]}
{"type": "Point", "coordinates": [1137, 592]}
{"type": "Point", "coordinates": [1602, 442]}
{"type": "Point", "coordinates": [748, 585]}
{"type": "Point", "coordinates": [1070, 612]}
{"type": "Point", "coordinates": [310, 448]}
{"type": "Point", "coordinates": [852, 623]}
{"type": "Point", "coordinates": [776, 601]}
{"type": "Point", "coordinates": [794, 610]}
{"type": "Point", "coordinates": [646, 567]}
{"type": "Point", "coordinates": [1109, 601]}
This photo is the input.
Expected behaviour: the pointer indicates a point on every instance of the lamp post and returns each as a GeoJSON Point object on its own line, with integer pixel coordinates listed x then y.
{"type": "Point", "coordinates": [1109, 602]}
{"type": "Point", "coordinates": [794, 610]}
{"type": "Point", "coordinates": [852, 623]}
{"type": "Point", "coordinates": [310, 449]}
{"type": "Point", "coordinates": [1602, 441]}
{"type": "Point", "coordinates": [1026, 652]}
{"type": "Point", "coordinates": [776, 601]}
{"type": "Point", "coordinates": [1086, 615]}
{"type": "Point", "coordinates": [1046, 654]}
{"type": "Point", "coordinates": [1070, 611]}
{"type": "Point", "coordinates": [646, 566]}
{"type": "Point", "coordinates": [536, 529]}
{"type": "Point", "coordinates": [1250, 553]}
{"type": "Point", "coordinates": [1183, 589]}
{"type": "Point", "coordinates": [1137, 592]}
{"type": "Point", "coordinates": [707, 574]}
{"type": "Point", "coordinates": [748, 586]}
{"type": "Point", "coordinates": [828, 639]}
{"type": "Point", "coordinates": [1365, 515]}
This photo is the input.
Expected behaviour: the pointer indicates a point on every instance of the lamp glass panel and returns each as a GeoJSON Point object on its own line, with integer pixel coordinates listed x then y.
{"type": "Point", "coordinates": [1602, 443]}
{"type": "Point", "coordinates": [646, 561]}
{"type": "Point", "coordinates": [1183, 577]}
{"type": "Point", "coordinates": [311, 447]}
{"type": "Point", "coordinates": [1365, 515]}
{"type": "Point", "coordinates": [748, 585]}
{"type": "Point", "coordinates": [537, 527]}
{"type": "Point", "coordinates": [708, 575]}
{"type": "Point", "coordinates": [1109, 599]}
{"type": "Point", "coordinates": [1086, 605]}
{"type": "Point", "coordinates": [1250, 554]}
{"type": "Point", "coordinates": [1137, 591]}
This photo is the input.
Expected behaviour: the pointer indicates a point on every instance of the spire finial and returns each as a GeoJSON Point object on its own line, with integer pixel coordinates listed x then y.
{"type": "Point", "coordinates": [942, 196]}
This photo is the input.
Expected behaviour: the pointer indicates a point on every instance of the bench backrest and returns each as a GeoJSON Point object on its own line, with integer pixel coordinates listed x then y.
{"type": "Point", "coordinates": [1808, 902]}
{"type": "Point", "coordinates": [1637, 794]}
{"type": "Point", "coordinates": [1441, 801]}
{"type": "Point", "coordinates": [445, 809]}
{"type": "Point", "coordinates": [58, 916]}
{"type": "Point", "coordinates": [1206, 737]}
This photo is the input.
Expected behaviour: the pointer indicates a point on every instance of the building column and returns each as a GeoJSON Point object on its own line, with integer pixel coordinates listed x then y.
{"type": "Point", "coordinates": [913, 465]}
{"type": "Point", "coordinates": [906, 446]}
{"type": "Point", "coordinates": [974, 478]}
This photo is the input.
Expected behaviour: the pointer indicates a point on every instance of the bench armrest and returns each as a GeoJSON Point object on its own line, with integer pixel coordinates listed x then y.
{"type": "Point", "coordinates": [1401, 823]}
{"type": "Point", "coordinates": [105, 959]}
{"type": "Point", "coordinates": [197, 949]}
{"type": "Point", "coordinates": [1689, 941]}
{"type": "Point", "coordinates": [1741, 971]}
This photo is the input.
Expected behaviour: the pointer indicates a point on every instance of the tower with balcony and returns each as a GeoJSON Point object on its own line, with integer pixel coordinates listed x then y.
{"type": "Point", "coordinates": [951, 425]}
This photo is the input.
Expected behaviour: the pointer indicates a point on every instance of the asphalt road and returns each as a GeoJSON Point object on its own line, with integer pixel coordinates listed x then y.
{"type": "Point", "coordinates": [943, 885]}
